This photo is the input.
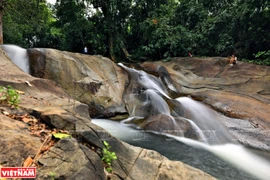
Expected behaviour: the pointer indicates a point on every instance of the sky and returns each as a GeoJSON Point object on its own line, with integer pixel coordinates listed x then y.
{"type": "Point", "coordinates": [51, 1]}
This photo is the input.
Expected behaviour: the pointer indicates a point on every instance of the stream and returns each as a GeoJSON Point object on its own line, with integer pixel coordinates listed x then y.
{"type": "Point", "coordinates": [196, 156]}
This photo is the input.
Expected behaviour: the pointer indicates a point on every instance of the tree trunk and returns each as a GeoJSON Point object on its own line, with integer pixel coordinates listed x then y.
{"type": "Point", "coordinates": [111, 34]}
{"type": "Point", "coordinates": [1, 21]}
{"type": "Point", "coordinates": [105, 7]}
{"type": "Point", "coordinates": [111, 47]}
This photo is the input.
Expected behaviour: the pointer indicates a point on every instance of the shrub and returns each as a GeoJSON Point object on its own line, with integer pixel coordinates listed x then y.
{"type": "Point", "coordinates": [9, 95]}
{"type": "Point", "coordinates": [108, 156]}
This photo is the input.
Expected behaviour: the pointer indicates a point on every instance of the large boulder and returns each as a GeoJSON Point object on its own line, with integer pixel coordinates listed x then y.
{"type": "Point", "coordinates": [177, 126]}
{"type": "Point", "coordinates": [94, 80]}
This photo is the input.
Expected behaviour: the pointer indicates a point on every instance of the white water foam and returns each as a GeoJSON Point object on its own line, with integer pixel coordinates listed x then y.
{"type": "Point", "coordinates": [197, 130]}
{"type": "Point", "coordinates": [129, 120]}
{"type": "Point", "coordinates": [206, 119]}
{"type": "Point", "coordinates": [122, 130]}
{"type": "Point", "coordinates": [18, 56]}
{"type": "Point", "coordinates": [149, 81]}
{"type": "Point", "coordinates": [235, 154]}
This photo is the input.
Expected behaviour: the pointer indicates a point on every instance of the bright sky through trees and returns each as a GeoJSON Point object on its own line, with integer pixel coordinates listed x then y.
{"type": "Point", "coordinates": [51, 1]}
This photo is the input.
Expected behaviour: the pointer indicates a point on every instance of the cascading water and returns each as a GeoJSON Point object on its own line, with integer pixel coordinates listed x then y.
{"type": "Point", "coordinates": [147, 96]}
{"type": "Point", "coordinates": [235, 154]}
{"type": "Point", "coordinates": [207, 120]}
{"type": "Point", "coordinates": [200, 133]}
{"type": "Point", "coordinates": [147, 81]}
{"type": "Point", "coordinates": [18, 56]}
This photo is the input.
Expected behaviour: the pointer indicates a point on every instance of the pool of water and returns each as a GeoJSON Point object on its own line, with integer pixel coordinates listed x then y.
{"type": "Point", "coordinates": [195, 157]}
{"type": "Point", "coordinates": [175, 150]}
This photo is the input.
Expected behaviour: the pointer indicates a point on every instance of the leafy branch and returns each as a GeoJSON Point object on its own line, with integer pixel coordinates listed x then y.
{"type": "Point", "coordinates": [108, 156]}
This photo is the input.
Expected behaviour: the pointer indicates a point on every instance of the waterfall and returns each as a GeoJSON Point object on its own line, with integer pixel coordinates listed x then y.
{"type": "Point", "coordinates": [146, 81]}
{"type": "Point", "coordinates": [207, 120]}
{"type": "Point", "coordinates": [158, 104]}
{"type": "Point", "coordinates": [18, 56]}
{"type": "Point", "coordinates": [146, 96]}
{"type": "Point", "coordinates": [198, 130]}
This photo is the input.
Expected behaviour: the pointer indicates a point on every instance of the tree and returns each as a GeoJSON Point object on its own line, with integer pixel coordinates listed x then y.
{"type": "Point", "coordinates": [1, 22]}
{"type": "Point", "coordinates": [115, 14]}
{"type": "Point", "coordinates": [73, 24]}
{"type": "Point", "coordinates": [26, 22]}
{"type": "Point", "coordinates": [141, 30]}
{"type": "Point", "coordinates": [252, 28]}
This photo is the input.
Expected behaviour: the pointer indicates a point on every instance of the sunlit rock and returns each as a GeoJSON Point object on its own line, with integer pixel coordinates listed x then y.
{"type": "Point", "coordinates": [94, 80]}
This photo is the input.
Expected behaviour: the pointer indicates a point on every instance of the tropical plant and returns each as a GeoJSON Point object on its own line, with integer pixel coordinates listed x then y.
{"type": "Point", "coordinates": [9, 95]}
{"type": "Point", "coordinates": [108, 156]}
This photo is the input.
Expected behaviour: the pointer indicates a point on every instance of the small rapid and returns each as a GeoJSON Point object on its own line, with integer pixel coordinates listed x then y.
{"type": "Point", "coordinates": [207, 120]}
{"type": "Point", "coordinates": [18, 56]}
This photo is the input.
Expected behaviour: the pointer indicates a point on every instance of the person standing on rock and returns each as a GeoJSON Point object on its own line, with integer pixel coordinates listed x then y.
{"type": "Point", "coordinates": [85, 50]}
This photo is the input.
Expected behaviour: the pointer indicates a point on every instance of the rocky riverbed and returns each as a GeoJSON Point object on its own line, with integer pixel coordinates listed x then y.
{"type": "Point", "coordinates": [46, 108]}
{"type": "Point", "coordinates": [66, 89]}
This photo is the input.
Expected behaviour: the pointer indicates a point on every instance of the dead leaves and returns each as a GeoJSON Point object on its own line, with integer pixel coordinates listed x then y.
{"type": "Point", "coordinates": [26, 118]}
{"type": "Point", "coordinates": [29, 119]}
{"type": "Point", "coordinates": [20, 92]}
{"type": "Point", "coordinates": [47, 135]}
{"type": "Point", "coordinates": [28, 162]}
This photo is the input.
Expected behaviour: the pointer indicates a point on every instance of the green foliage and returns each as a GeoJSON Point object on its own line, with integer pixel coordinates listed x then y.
{"type": "Point", "coordinates": [263, 54]}
{"type": "Point", "coordinates": [9, 95]}
{"type": "Point", "coordinates": [52, 175]}
{"type": "Point", "coordinates": [26, 23]}
{"type": "Point", "coordinates": [153, 29]}
{"type": "Point", "coordinates": [108, 156]}
{"type": "Point", "coordinates": [262, 58]}
{"type": "Point", "coordinates": [160, 36]}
